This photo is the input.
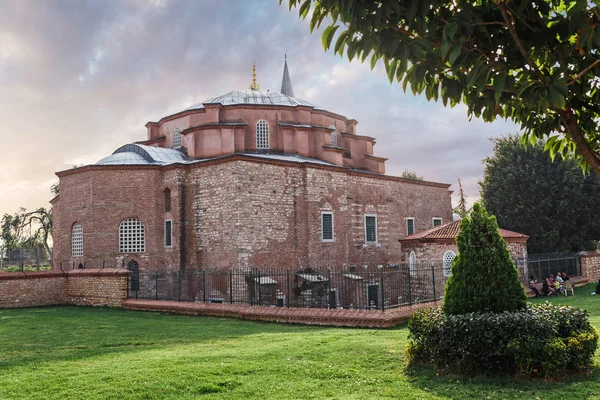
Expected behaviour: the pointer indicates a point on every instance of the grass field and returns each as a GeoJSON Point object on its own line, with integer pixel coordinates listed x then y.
{"type": "Point", "coordinates": [87, 353]}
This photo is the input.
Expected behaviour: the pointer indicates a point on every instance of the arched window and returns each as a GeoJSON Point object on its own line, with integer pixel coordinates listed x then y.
{"type": "Point", "coordinates": [334, 136]}
{"type": "Point", "coordinates": [77, 240]}
{"type": "Point", "coordinates": [131, 236]}
{"type": "Point", "coordinates": [176, 138]}
{"type": "Point", "coordinates": [412, 263]}
{"type": "Point", "coordinates": [167, 200]}
{"type": "Point", "coordinates": [262, 135]}
{"type": "Point", "coordinates": [449, 256]}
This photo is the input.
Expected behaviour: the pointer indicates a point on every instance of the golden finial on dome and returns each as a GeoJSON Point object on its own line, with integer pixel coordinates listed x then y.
{"type": "Point", "coordinates": [254, 85]}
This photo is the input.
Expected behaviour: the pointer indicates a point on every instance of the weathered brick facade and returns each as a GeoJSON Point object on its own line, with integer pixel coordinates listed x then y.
{"type": "Point", "coordinates": [590, 265]}
{"type": "Point", "coordinates": [80, 287]}
{"type": "Point", "coordinates": [248, 175]}
{"type": "Point", "coordinates": [240, 212]}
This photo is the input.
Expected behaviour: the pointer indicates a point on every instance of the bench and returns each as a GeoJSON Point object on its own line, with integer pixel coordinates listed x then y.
{"type": "Point", "coordinates": [576, 280]}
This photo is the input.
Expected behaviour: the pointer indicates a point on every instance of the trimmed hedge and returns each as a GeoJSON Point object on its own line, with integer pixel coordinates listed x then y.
{"type": "Point", "coordinates": [541, 340]}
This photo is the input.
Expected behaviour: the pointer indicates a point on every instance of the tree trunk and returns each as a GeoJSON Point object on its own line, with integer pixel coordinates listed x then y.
{"type": "Point", "coordinates": [574, 132]}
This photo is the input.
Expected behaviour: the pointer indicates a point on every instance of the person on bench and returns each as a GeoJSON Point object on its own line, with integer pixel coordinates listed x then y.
{"type": "Point", "coordinates": [532, 283]}
{"type": "Point", "coordinates": [597, 291]}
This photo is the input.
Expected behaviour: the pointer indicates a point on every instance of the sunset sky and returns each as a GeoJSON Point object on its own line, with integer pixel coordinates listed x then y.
{"type": "Point", "coordinates": [78, 79]}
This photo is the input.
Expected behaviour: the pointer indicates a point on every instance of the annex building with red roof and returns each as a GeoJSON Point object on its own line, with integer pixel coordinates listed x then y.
{"type": "Point", "coordinates": [439, 243]}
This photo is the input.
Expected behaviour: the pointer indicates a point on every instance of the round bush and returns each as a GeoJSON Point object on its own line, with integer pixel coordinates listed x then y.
{"type": "Point", "coordinates": [541, 340]}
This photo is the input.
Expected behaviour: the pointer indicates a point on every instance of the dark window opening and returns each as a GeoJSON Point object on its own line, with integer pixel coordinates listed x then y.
{"type": "Point", "coordinates": [168, 233]}
{"type": "Point", "coordinates": [167, 200]}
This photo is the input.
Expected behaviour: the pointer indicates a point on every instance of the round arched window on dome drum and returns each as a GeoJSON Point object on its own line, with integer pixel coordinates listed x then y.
{"type": "Point", "coordinates": [334, 136]}
{"type": "Point", "coordinates": [262, 135]}
{"type": "Point", "coordinates": [176, 138]}
{"type": "Point", "coordinates": [449, 256]}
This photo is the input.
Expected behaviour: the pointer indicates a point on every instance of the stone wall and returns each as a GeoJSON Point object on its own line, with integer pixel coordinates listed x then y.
{"type": "Point", "coordinates": [79, 287]}
{"type": "Point", "coordinates": [32, 289]}
{"type": "Point", "coordinates": [97, 287]}
{"type": "Point", "coordinates": [590, 265]}
{"type": "Point", "coordinates": [240, 213]}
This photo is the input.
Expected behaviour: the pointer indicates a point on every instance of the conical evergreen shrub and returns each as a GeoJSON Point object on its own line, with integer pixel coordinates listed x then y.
{"type": "Point", "coordinates": [484, 278]}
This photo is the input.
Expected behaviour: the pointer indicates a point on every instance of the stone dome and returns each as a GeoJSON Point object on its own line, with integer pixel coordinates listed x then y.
{"type": "Point", "coordinates": [138, 154]}
{"type": "Point", "coordinates": [251, 96]}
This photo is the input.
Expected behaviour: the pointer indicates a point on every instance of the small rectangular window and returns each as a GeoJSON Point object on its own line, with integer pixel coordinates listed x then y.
{"type": "Point", "coordinates": [371, 228]}
{"type": "Point", "coordinates": [437, 222]}
{"type": "Point", "coordinates": [410, 226]}
{"type": "Point", "coordinates": [327, 226]}
{"type": "Point", "coordinates": [168, 233]}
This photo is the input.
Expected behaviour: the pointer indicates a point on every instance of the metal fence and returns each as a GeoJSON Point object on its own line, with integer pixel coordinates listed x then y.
{"type": "Point", "coordinates": [387, 287]}
{"type": "Point", "coordinates": [542, 265]}
{"type": "Point", "coordinates": [25, 257]}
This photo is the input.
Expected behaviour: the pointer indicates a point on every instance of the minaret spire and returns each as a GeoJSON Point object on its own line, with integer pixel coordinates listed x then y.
{"type": "Point", "coordinates": [254, 85]}
{"type": "Point", "coordinates": [286, 82]}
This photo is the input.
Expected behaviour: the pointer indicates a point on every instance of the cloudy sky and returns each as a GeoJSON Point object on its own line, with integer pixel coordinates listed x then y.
{"type": "Point", "coordinates": [79, 78]}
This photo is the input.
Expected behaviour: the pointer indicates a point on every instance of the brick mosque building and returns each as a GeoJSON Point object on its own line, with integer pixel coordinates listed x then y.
{"type": "Point", "coordinates": [248, 179]}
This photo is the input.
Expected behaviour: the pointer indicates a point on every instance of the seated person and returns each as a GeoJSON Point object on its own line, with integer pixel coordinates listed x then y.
{"type": "Point", "coordinates": [547, 288]}
{"type": "Point", "coordinates": [565, 276]}
{"type": "Point", "coordinates": [559, 278]}
{"type": "Point", "coordinates": [532, 283]}
{"type": "Point", "coordinates": [558, 288]}
{"type": "Point", "coordinates": [597, 291]}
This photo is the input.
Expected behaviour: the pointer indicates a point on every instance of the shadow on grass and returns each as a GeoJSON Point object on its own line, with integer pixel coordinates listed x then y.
{"type": "Point", "coordinates": [47, 334]}
{"type": "Point", "coordinates": [580, 386]}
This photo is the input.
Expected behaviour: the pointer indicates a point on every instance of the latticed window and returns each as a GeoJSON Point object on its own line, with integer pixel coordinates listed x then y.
{"type": "Point", "coordinates": [327, 226]}
{"type": "Point", "coordinates": [168, 233]}
{"type": "Point", "coordinates": [262, 135]}
{"type": "Point", "coordinates": [410, 226]}
{"type": "Point", "coordinates": [412, 263]}
{"type": "Point", "coordinates": [177, 138]}
{"type": "Point", "coordinates": [371, 228]}
{"type": "Point", "coordinates": [77, 240]}
{"type": "Point", "coordinates": [449, 256]}
{"type": "Point", "coordinates": [131, 236]}
{"type": "Point", "coordinates": [437, 222]}
{"type": "Point", "coordinates": [334, 136]}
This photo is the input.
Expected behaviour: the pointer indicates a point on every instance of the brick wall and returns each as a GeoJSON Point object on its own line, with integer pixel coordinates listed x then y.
{"type": "Point", "coordinates": [32, 289]}
{"type": "Point", "coordinates": [80, 287]}
{"type": "Point", "coordinates": [590, 265]}
{"type": "Point", "coordinates": [97, 287]}
{"type": "Point", "coordinates": [241, 213]}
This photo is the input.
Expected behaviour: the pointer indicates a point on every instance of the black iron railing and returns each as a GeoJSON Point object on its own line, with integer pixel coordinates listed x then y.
{"type": "Point", "coordinates": [541, 266]}
{"type": "Point", "coordinates": [390, 286]}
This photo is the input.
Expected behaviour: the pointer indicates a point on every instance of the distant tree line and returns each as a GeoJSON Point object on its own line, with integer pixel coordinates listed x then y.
{"type": "Point", "coordinates": [552, 201]}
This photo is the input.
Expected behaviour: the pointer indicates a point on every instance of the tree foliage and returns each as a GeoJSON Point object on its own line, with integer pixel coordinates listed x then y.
{"type": "Point", "coordinates": [552, 202]}
{"type": "Point", "coordinates": [407, 174]}
{"type": "Point", "coordinates": [484, 278]}
{"type": "Point", "coordinates": [461, 207]}
{"type": "Point", "coordinates": [535, 62]}
{"type": "Point", "coordinates": [27, 229]}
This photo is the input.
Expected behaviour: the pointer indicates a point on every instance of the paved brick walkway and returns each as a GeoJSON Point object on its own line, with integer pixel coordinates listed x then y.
{"type": "Point", "coordinates": [309, 316]}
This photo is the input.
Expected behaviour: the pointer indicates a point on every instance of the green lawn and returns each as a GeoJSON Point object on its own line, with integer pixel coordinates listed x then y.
{"type": "Point", "coordinates": [92, 353]}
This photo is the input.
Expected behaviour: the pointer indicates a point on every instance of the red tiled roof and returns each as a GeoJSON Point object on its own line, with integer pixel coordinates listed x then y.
{"type": "Point", "coordinates": [450, 230]}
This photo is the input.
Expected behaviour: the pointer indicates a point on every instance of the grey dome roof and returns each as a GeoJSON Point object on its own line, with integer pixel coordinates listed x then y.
{"type": "Point", "coordinates": [139, 154]}
{"type": "Point", "coordinates": [250, 96]}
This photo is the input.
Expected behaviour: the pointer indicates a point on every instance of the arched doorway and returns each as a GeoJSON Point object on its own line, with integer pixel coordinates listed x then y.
{"type": "Point", "coordinates": [134, 278]}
